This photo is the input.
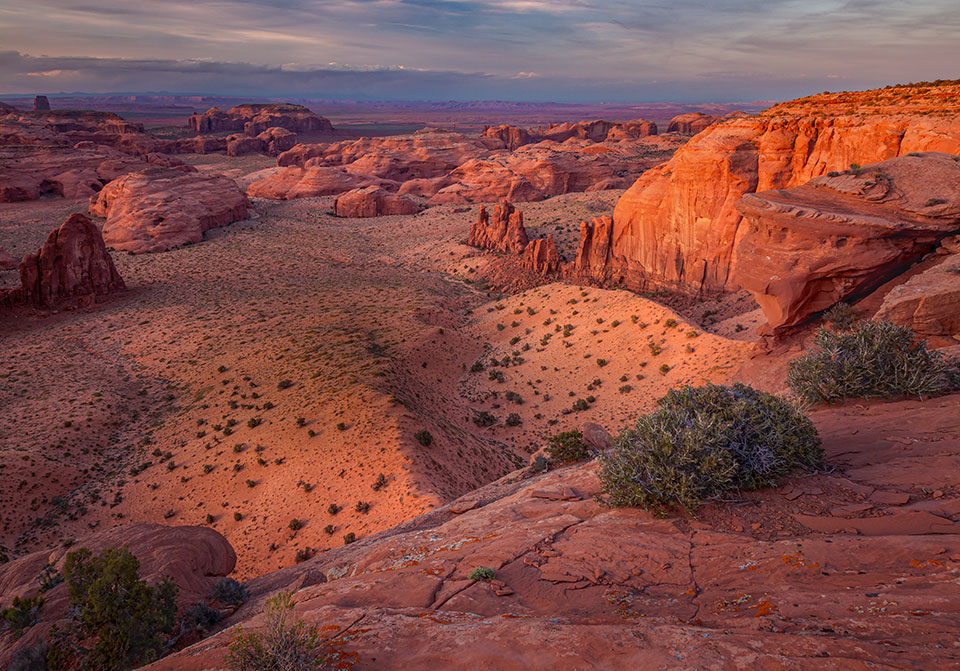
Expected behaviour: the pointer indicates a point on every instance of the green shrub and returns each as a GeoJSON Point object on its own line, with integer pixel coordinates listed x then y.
{"type": "Point", "coordinates": [482, 573]}
{"type": "Point", "coordinates": [116, 614]}
{"type": "Point", "coordinates": [841, 316]}
{"type": "Point", "coordinates": [567, 447]}
{"type": "Point", "coordinates": [201, 617]}
{"type": "Point", "coordinates": [283, 645]}
{"type": "Point", "coordinates": [229, 591]}
{"type": "Point", "coordinates": [423, 437]}
{"type": "Point", "coordinates": [703, 442]}
{"type": "Point", "coordinates": [23, 613]}
{"type": "Point", "coordinates": [875, 359]}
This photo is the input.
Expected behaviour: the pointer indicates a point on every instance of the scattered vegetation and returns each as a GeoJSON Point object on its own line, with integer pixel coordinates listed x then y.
{"type": "Point", "coordinates": [282, 646]}
{"type": "Point", "coordinates": [423, 437]}
{"type": "Point", "coordinates": [22, 614]}
{"type": "Point", "coordinates": [873, 359]}
{"type": "Point", "coordinates": [229, 591]}
{"type": "Point", "coordinates": [482, 573]}
{"type": "Point", "coordinates": [704, 442]}
{"type": "Point", "coordinates": [567, 447]}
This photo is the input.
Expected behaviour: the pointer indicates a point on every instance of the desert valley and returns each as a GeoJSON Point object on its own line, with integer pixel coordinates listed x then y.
{"type": "Point", "coordinates": [481, 386]}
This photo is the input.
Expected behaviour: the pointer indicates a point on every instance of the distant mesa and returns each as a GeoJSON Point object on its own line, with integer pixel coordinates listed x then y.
{"type": "Point", "coordinates": [372, 201]}
{"type": "Point", "coordinates": [73, 263]}
{"type": "Point", "coordinates": [252, 119]}
{"type": "Point", "coordinates": [595, 131]}
{"type": "Point", "coordinates": [691, 123]}
{"type": "Point", "coordinates": [160, 208]}
{"type": "Point", "coordinates": [836, 237]}
{"type": "Point", "coordinates": [41, 104]}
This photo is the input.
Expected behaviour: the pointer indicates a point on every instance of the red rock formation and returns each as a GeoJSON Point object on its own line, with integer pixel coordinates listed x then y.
{"type": "Point", "coordinates": [41, 104]}
{"type": "Point", "coordinates": [594, 131]}
{"type": "Point", "coordinates": [541, 257]}
{"type": "Point", "coordinates": [72, 263]}
{"type": "Point", "coordinates": [505, 233]}
{"type": "Point", "coordinates": [691, 124]}
{"type": "Point", "coordinates": [372, 201]}
{"type": "Point", "coordinates": [158, 208]}
{"type": "Point", "coordinates": [929, 302]}
{"type": "Point", "coordinates": [254, 119]}
{"type": "Point", "coordinates": [593, 252]}
{"type": "Point", "coordinates": [291, 183]}
{"type": "Point", "coordinates": [677, 225]}
{"type": "Point", "coordinates": [194, 558]}
{"type": "Point", "coordinates": [811, 246]}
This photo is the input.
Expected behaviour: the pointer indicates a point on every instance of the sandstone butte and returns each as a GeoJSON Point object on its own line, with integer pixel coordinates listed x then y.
{"type": "Point", "coordinates": [254, 119]}
{"type": "Point", "coordinates": [691, 123]}
{"type": "Point", "coordinates": [851, 570]}
{"type": "Point", "coordinates": [503, 233]}
{"type": "Point", "coordinates": [157, 209]}
{"type": "Point", "coordinates": [678, 227]}
{"type": "Point", "coordinates": [372, 201]}
{"type": "Point", "coordinates": [839, 237]}
{"type": "Point", "coordinates": [73, 263]}
{"type": "Point", "coordinates": [594, 131]}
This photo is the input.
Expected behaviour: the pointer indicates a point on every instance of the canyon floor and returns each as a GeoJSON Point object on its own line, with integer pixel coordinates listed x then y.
{"type": "Point", "coordinates": [282, 369]}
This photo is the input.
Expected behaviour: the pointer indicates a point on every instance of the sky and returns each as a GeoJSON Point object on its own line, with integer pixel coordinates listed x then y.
{"type": "Point", "coordinates": [536, 50]}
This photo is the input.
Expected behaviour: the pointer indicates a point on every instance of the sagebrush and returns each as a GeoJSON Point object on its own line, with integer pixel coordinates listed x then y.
{"type": "Point", "coordinates": [706, 442]}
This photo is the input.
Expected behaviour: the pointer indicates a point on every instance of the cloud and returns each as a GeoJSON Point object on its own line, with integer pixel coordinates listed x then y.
{"type": "Point", "coordinates": [615, 49]}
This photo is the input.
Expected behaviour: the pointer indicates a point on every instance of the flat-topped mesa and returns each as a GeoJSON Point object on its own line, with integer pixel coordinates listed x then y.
{"type": "Point", "coordinates": [595, 131]}
{"type": "Point", "coordinates": [72, 263]}
{"type": "Point", "coordinates": [253, 119]}
{"type": "Point", "coordinates": [158, 209]}
{"type": "Point", "coordinates": [503, 233]}
{"type": "Point", "coordinates": [840, 236]}
{"type": "Point", "coordinates": [677, 226]}
{"type": "Point", "coordinates": [40, 104]}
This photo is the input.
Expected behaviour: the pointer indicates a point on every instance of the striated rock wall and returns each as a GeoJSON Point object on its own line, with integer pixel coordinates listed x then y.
{"type": "Point", "coordinates": [503, 233]}
{"type": "Point", "coordinates": [678, 226]}
{"type": "Point", "coordinates": [253, 119]}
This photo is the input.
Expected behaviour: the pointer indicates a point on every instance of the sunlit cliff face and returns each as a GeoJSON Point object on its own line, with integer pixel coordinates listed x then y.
{"type": "Point", "coordinates": [578, 50]}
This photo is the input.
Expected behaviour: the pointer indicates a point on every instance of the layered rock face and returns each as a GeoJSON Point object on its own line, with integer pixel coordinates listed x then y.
{"type": "Point", "coordinates": [372, 201]}
{"type": "Point", "coordinates": [194, 558]}
{"type": "Point", "coordinates": [810, 246]}
{"type": "Point", "coordinates": [594, 131]}
{"type": "Point", "coordinates": [253, 119]}
{"type": "Point", "coordinates": [291, 183]}
{"type": "Point", "coordinates": [504, 233]}
{"type": "Point", "coordinates": [929, 302]}
{"type": "Point", "coordinates": [678, 227]}
{"type": "Point", "coordinates": [157, 209]}
{"type": "Point", "coordinates": [691, 124]}
{"type": "Point", "coordinates": [72, 263]}
{"type": "Point", "coordinates": [540, 256]}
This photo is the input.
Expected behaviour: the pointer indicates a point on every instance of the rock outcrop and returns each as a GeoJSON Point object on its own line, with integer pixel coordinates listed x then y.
{"type": "Point", "coordinates": [540, 256]}
{"type": "Point", "coordinates": [157, 209]}
{"type": "Point", "coordinates": [372, 201]}
{"type": "Point", "coordinates": [73, 263]}
{"type": "Point", "coordinates": [691, 123]}
{"type": "Point", "coordinates": [837, 237]}
{"type": "Point", "coordinates": [41, 104]}
{"type": "Point", "coordinates": [594, 131]}
{"type": "Point", "coordinates": [503, 233]}
{"type": "Point", "coordinates": [678, 227]}
{"type": "Point", "coordinates": [291, 183]}
{"type": "Point", "coordinates": [254, 119]}
{"type": "Point", "coordinates": [194, 558]}
{"type": "Point", "coordinates": [929, 302]}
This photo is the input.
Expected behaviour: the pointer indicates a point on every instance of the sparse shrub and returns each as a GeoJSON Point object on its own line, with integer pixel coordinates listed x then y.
{"type": "Point", "coordinates": [540, 464]}
{"type": "Point", "coordinates": [49, 577]}
{"type": "Point", "coordinates": [281, 646]}
{"type": "Point", "coordinates": [284, 384]}
{"type": "Point", "coordinates": [380, 483]}
{"type": "Point", "coordinates": [580, 405]}
{"type": "Point", "coordinates": [333, 509]}
{"type": "Point", "coordinates": [670, 323]}
{"type": "Point", "coordinates": [841, 316]}
{"type": "Point", "coordinates": [116, 614]}
{"type": "Point", "coordinates": [295, 524]}
{"type": "Point", "coordinates": [201, 617]}
{"type": "Point", "coordinates": [484, 418]}
{"type": "Point", "coordinates": [22, 614]}
{"type": "Point", "coordinates": [303, 554]}
{"type": "Point", "coordinates": [341, 426]}
{"type": "Point", "coordinates": [362, 507]}
{"type": "Point", "coordinates": [349, 538]}
{"type": "Point", "coordinates": [482, 573]}
{"type": "Point", "coordinates": [664, 369]}
{"type": "Point", "coordinates": [602, 362]}
{"type": "Point", "coordinates": [328, 529]}
{"type": "Point", "coordinates": [513, 419]}
{"type": "Point", "coordinates": [875, 359]}
{"type": "Point", "coordinates": [703, 442]}
{"type": "Point", "coordinates": [237, 517]}
{"type": "Point", "coordinates": [254, 421]}
{"type": "Point", "coordinates": [229, 591]}
{"type": "Point", "coordinates": [209, 519]}
{"type": "Point", "coordinates": [567, 447]}
{"type": "Point", "coordinates": [423, 437]}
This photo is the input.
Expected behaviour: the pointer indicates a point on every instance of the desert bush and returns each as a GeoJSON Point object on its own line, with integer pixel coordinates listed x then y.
{"type": "Point", "coordinates": [423, 437]}
{"type": "Point", "coordinates": [513, 419]}
{"type": "Point", "coordinates": [841, 316]}
{"type": "Point", "coordinates": [201, 617]}
{"type": "Point", "coordinates": [230, 591]}
{"type": "Point", "coordinates": [118, 621]}
{"type": "Point", "coordinates": [282, 646]}
{"type": "Point", "coordinates": [22, 614]}
{"type": "Point", "coordinates": [874, 359]}
{"type": "Point", "coordinates": [567, 447]}
{"type": "Point", "coordinates": [703, 442]}
{"type": "Point", "coordinates": [482, 573]}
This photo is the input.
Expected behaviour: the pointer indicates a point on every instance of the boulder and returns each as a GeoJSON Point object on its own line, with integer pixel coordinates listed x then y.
{"type": "Point", "coordinates": [595, 436]}
{"type": "Point", "coordinates": [372, 201]}
{"type": "Point", "coordinates": [277, 140]}
{"type": "Point", "coordinates": [929, 302]}
{"type": "Point", "coordinates": [504, 233]}
{"type": "Point", "coordinates": [541, 257]}
{"type": "Point", "coordinates": [837, 237]}
{"type": "Point", "coordinates": [159, 208]}
{"type": "Point", "coordinates": [691, 124]}
{"type": "Point", "coordinates": [677, 227]}
{"type": "Point", "coordinates": [72, 263]}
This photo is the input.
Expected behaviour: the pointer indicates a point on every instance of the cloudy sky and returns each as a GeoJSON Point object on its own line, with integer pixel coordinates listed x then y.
{"type": "Point", "coordinates": [560, 50]}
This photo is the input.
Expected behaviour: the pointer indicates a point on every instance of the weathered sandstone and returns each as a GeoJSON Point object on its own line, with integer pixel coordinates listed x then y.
{"type": "Point", "coordinates": [253, 119]}
{"type": "Point", "coordinates": [372, 201]}
{"type": "Point", "coordinates": [503, 233]}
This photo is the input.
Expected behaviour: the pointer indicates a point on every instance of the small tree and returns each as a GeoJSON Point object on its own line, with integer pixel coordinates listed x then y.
{"type": "Point", "coordinates": [282, 646]}
{"type": "Point", "coordinates": [116, 613]}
